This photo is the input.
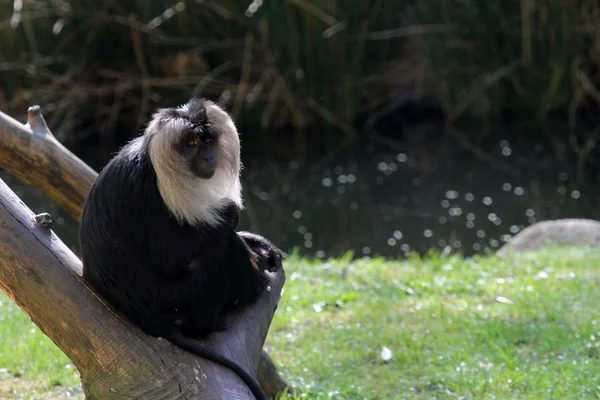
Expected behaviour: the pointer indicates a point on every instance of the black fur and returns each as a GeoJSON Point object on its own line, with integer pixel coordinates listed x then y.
{"type": "Point", "coordinates": [162, 275]}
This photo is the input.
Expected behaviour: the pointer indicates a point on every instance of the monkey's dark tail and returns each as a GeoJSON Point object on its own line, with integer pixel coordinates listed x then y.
{"type": "Point", "coordinates": [200, 350]}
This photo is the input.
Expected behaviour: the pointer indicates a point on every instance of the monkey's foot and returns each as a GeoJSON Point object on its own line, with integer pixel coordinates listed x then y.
{"type": "Point", "coordinates": [269, 257]}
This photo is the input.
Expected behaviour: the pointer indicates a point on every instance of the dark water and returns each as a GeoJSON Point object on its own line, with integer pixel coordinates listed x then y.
{"type": "Point", "coordinates": [326, 196]}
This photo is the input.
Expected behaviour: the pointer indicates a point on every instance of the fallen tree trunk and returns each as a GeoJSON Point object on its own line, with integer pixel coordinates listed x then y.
{"type": "Point", "coordinates": [32, 154]}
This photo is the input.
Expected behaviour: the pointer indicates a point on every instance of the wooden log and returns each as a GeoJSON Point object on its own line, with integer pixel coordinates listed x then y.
{"type": "Point", "coordinates": [34, 156]}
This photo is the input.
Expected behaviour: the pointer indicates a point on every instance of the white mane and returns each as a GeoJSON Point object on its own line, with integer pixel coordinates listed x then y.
{"type": "Point", "coordinates": [189, 198]}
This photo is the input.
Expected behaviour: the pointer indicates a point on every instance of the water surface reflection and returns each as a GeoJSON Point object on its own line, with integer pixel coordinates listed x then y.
{"type": "Point", "coordinates": [377, 201]}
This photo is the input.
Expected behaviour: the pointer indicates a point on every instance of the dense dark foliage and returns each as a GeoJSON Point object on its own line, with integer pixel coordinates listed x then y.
{"type": "Point", "coordinates": [97, 66]}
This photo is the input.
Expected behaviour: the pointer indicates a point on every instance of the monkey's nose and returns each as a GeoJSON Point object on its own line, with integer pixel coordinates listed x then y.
{"type": "Point", "coordinates": [210, 160]}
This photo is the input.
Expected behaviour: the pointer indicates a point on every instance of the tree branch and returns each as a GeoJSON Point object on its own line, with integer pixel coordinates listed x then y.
{"type": "Point", "coordinates": [32, 154]}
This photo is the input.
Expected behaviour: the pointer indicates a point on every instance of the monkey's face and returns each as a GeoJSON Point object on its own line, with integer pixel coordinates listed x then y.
{"type": "Point", "coordinates": [199, 149]}
{"type": "Point", "coordinates": [195, 152]}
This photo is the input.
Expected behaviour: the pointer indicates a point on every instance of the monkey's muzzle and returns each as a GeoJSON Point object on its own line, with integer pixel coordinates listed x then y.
{"type": "Point", "coordinates": [204, 166]}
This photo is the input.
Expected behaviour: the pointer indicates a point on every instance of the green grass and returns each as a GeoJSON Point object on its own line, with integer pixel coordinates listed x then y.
{"type": "Point", "coordinates": [30, 364]}
{"type": "Point", "coordinates": [441, 318]}
{"type": "Point", "coordinates": [525, 327]}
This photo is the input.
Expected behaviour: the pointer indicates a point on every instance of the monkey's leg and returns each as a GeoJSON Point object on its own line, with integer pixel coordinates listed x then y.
{"type": "Point", "coordinates": [200, 297]}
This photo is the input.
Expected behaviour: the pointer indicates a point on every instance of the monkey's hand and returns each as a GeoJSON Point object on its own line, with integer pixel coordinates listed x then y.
{"type": "Point", "coordinates": [269, 256]}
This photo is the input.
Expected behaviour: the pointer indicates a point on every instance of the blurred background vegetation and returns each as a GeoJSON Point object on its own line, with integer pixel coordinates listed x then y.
{"type": "Point", "coordinates": [344, 90]}
{"type": "Point", "coordinates": [97, 66]}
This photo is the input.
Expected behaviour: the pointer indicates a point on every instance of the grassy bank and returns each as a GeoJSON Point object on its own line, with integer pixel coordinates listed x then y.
{"type": "Point", "coordinates": [527, 327]}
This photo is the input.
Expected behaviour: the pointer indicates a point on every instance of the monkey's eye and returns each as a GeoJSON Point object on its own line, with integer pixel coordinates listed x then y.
{"type": "Point", "coordinates": [192, 142]}
{"type": "Point", "coordinates": [208, 139]}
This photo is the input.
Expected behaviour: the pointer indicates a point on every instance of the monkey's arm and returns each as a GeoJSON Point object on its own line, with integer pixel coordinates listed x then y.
{"type": "Point", "coordinates": [269, 256]}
